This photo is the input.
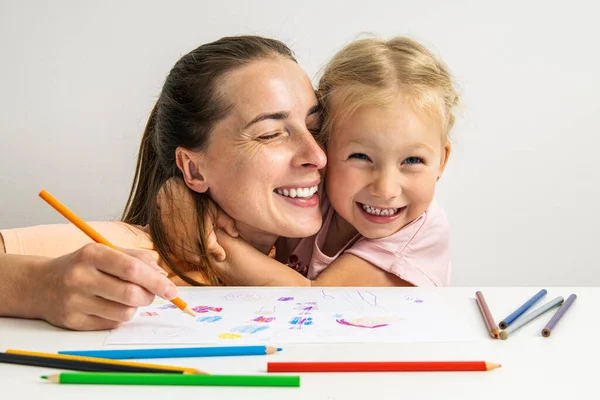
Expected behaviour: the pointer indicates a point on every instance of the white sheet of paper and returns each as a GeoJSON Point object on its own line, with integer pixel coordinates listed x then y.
{"type": "Point", "coordinates": [232, 316]}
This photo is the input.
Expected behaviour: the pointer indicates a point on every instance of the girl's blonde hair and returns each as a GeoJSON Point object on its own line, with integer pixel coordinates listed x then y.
{"type": "Point", "coordinates": [372, 72]}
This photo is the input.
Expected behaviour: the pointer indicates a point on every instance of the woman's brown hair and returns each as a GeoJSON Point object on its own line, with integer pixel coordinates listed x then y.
{"type": "Point", "coordinates": [185, 114]}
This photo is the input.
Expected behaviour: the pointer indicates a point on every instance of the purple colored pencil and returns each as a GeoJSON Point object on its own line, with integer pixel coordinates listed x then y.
{"type": "Point", "coordinates": [561, 311]}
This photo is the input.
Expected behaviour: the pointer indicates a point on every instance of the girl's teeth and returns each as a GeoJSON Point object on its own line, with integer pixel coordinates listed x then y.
{"type": "Point", "coordinates": [378, 211]}
{"type": "Point", "coordinates": [298, 192]}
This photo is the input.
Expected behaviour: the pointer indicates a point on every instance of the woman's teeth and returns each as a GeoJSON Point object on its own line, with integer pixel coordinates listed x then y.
{"type": "Point", "coordinates": [380, 211]}
{"type": "Point", "coordinates": [306, 193]}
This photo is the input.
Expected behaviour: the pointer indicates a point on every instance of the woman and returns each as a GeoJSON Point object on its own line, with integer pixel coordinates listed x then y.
{"type": "Point", "coordinates": [235, 121]}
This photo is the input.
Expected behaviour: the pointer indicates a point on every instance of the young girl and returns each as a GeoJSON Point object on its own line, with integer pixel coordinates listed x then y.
{"type": "Point", "coordinates": [387, 112]}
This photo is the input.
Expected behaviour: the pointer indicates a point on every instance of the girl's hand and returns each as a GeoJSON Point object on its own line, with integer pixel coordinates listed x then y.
{"type": "Point", "coordinates": [178, 211]}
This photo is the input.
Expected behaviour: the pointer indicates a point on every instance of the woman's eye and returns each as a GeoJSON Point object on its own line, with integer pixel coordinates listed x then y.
{"type": "Point", "coordinates": [314, 130]}
{"type": "Point", "coordinates": [269, 136]}
{"type": "Point", "coordinates": [413, 160]}
{"type": "Point", "coordinates": [360, 156]}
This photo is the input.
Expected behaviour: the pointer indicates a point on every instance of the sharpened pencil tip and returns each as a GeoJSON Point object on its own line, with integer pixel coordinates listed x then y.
{"type": "Point", "coordinates": [44, 377]}
{"type": "Point", "coordinates": [279, 349]}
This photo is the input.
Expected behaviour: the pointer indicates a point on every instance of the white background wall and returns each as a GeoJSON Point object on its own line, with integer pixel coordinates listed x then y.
{"type": "Point", "coordinates": [78, 79]}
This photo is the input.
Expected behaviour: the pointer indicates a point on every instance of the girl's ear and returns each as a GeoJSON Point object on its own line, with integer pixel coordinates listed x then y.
{"type": "Point", "coordinates": [444, 158]}
{"type": "Point", "coordinates": [192, 165]}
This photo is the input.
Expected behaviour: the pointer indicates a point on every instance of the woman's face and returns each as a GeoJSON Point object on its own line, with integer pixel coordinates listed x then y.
{"type": "Point", "coordinates": [262, 163]}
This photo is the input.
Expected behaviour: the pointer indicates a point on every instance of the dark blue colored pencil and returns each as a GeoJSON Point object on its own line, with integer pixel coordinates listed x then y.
{"type": "Point", "coordinates": [519, 311]}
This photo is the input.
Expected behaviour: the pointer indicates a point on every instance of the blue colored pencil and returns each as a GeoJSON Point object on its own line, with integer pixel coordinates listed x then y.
{"type": "Point", "coordinates": [176, 352]}
{"type": "Point", "coordinates": [526, 306]}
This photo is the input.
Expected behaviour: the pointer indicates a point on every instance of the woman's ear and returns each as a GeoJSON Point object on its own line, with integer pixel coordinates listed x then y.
{"type": "Point", "coordinates": [191, 165]}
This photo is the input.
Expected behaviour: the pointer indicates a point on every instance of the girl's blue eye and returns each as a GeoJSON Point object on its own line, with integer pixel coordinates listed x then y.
{"type": "Point", "coordinates": [360, 156]}
{"type": "Point", "coordinates": [413, 160]}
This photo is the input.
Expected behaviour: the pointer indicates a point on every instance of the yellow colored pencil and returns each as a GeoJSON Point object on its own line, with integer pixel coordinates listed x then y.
{"type": "Point", "coordinates": [185, 370]}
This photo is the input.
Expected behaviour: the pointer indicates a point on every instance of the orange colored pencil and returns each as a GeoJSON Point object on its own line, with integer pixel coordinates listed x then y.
{"type": "Point", "coordinates": [96, 237]}
{"type": "Point", "coordinates": [381, 366]}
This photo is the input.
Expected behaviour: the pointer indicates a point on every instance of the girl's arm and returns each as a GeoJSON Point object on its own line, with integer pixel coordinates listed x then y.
{"type": "Point", "coordinates": [252, 268]}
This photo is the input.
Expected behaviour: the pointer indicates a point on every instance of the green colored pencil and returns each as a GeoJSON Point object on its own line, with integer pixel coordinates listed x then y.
{"type": "Point", "coordinates": [109, 378]}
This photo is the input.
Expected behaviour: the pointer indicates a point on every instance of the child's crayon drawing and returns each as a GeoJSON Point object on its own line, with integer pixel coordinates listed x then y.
{"type": "Point", "coordinates": [414, 299]}
{"type": "Point", "coordinates": [205, 309]}
{"type": "Point", "coordinates": [298, 315]}
{"type": "Point", "coordinates": [326, 295]}
{"type": "Point", "coordinates": [149, 314]}
{"type": "Point", "coordinates": [209, 318]}
{"type": "Point", "coordinates": [307, 307]}
{"type": "Point", "coordinates": [242, 297]}
{"type": "Point", "coordinates": [265, 311]}
{"type": "Point", "coordinates": [368, 297]}
{"type": "Point", "coordinates": [251, 329]}
{"type": "Point", "coordinates": [365, 322]}
{"type": "Point", "coordinates": [264, 320]}
{"type": "Point", "coordinates": [299, 321]}
{"type": "Point", "coordinates": [229, 336]}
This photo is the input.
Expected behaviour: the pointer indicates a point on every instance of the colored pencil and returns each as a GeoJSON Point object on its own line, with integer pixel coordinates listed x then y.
{"type": "Point", "coordinates": [78, 365]}
{"type": "Point", "coordinates": [547, 331]}
{"type": "Point", "coordinates": [176, 352]}
{"type": "Point", "coordinates": [487, 315]}
{"type": "Point", "coordinates": [527, 318]}
{"type": "Point", "coordinates": [102, 361]}
{"type": "Point", "coordinates": [519, 311]}
{"type": "Point", "coordinates": [96, 237]}
{"type": "Point", "coordinates": [381, 366]}
{"type": "Point", "coordinates": [103, 378]}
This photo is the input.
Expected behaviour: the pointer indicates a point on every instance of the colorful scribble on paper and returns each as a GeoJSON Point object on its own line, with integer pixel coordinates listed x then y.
{"type": "Point", "coordinates": [264, 320]}
{"type": "Point", "coordinates": [149, 314]}
{"type": "Point", "coordinates": [251, 329]}
{"type": "Point", "coordinates": [209, 318]}
{"type": "Point", "coordinates": [361, 323]}
{"type": "Point", "coordinates": [285, 298]}
{"type": "Point", "coordinates": [205, 309]}
{"type": "Point", "coordinates": [414, 299]}
{"type": "Point", "coordinates": [228, 336]}
{"type": "Point", "coordinates": [242, 297]}
{"type": "Point", "coordinates": [299, 322]}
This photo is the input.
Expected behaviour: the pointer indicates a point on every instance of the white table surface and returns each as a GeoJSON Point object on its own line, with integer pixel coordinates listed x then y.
{"type": "Point", "coordinates": [564, 366]}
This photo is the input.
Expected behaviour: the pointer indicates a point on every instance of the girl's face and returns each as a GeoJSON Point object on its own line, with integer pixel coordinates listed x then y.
{"type": "Point", "coordinates": [383, 164]}
{"type": "Point", "coordinates": [262, 163]}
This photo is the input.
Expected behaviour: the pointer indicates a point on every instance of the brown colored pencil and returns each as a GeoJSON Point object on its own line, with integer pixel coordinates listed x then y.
{"type": "Point", "coordinates": [98, 238]}
{"type": "Point", "coordinates": [487, 315]}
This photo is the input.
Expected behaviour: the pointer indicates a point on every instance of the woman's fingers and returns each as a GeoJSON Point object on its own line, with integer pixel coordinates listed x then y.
{"type": "Point", "coordinates": [130, 269]}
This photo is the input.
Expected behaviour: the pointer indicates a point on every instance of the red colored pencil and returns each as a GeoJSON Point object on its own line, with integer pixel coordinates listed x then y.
{"type": "Point", "coordinates": [381, 366]}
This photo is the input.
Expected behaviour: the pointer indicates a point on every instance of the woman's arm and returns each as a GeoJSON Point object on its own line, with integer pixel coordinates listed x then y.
{"type": "Point", "coordinates": [91, 288]}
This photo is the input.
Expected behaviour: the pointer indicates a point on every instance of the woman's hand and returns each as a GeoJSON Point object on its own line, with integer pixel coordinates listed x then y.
{"type": "Point", "coordinates": [97, 287]}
